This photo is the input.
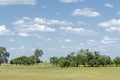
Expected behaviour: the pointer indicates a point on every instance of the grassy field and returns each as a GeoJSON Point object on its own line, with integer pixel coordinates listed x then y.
{"type": "Point", "coordinates": [47, 72]}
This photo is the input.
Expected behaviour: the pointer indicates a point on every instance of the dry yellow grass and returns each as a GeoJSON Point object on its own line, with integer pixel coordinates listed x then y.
{"type": "Point", "coordinates": [48, 72]}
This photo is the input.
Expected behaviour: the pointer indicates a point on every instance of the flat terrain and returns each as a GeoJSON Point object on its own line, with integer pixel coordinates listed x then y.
{"type": "Point", "coordinates": [48, 72]}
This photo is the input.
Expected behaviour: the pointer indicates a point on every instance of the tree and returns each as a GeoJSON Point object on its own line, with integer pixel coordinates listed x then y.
{"type": "Point", "coordinates": [96, 58]}
{"type": "Point", "coordinates": [89, 56]}
{"type": "Point", "coordinates": [54, 60]}
{"type": "Point", "coordinates": [4, 55]}
{"type": "Point", "coordinates": [81, 58]}
{"type": "Point", "coordinates": [84, 57]}
{"type": "Point", "coordinates": [23, 60]}
{"type": "Point", "coordinates": [38, 53]}
{"type": "Point", "coordinates": [71, 59]}
{"type": "Point", "coordinates": [30, 60]}
{"type": "Point", "coordinates": [104, 60]}
{"type": "Point", "coordinates": [64, 62]}
{"type": "Point", "coordinates": [116, 61]}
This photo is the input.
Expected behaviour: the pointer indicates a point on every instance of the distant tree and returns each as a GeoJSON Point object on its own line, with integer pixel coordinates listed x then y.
{"type": "Point", "coordinates": [54, 60]}
{"type": "Point", "coordinates": [81, 58]}
{"type": "Point", "coordinates": [23, 60]}
{"type": "Point", "coordinates": [90, 57]}
{"type": "Point", "coordinates": [4, 55]}
{"type": "Point", "coordinates": [104, 60]}
{"type": "Point", "coordinates": [30, 60]}
{"type": "Point", "coordinates": [64, 62]}
{"type": "Point", "coordinates": [71, 59]}
{"type": "Point", "coordinates": [116, 61]}
{"type": "Point", "coordinates": [38, 53]}
{"type": "Point", "coordinates": [84, 57]}
{"type": "Point", "coordinates": [96, 58]}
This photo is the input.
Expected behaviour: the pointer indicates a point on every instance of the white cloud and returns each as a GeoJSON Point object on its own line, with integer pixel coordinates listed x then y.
{"type": "Point", "coordinates": [26, 25]}
{"type": "Point", "coordinates": [111, 25]}
{"type": "Point", "coordinates": [17, 2]}
{"type": "Point", "coordinates": [108, 40]}
{"type": "Point", "coordinates": [80, 31]}
{"type": "Point", "coordinates": [67, 40]}
{"type": "Point", "coordinates": [71, 1]}
{"type": "Point", "coordinates": [108, 5]}
{"type": "Point", "coordinates": [43, 28]}
{"type": "Point", "coordinates": [51, 21]}
{"type": "Point", "coordinates": [5, 31]}
{"type": "Point", "coordinates": [68, 1]}
{"type": "Point", "coordinates": [22, 48]}
{"type": "Point", "coordinates": [23, 34]}
{"type": "Point", "coordinates": [87, 12]}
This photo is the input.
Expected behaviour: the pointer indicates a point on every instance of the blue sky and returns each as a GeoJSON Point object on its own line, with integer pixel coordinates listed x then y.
{"type": "Point", "coordinates": [60, 26]}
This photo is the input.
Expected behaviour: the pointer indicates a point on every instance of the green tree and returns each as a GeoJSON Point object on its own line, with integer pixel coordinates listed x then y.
{"type": "Point", "coordinates": [64, 62]}
{"type": "Point", "coordinates": [96, 58]}
{"type": "Point", "coordinates": [23, 60]}
{"type": "Point", "coordinates": [4, 55]}
{"type": "Point", "coordinates": [38, 53]}
{"type": "Point", "coordinates": [81, 58]}
{"type": "Point", "coordinates": [104, 60]}
{"type": "Point", "coordinates": [30, 60]}
{"type": "Point", "coordinates": [71, 59]}
{"type": "Point", "coordinates": [54, 60]}
{"type": "Point", "coordinates": [90, 57]}
{"type": "Point", "coordinates": [116, 61]}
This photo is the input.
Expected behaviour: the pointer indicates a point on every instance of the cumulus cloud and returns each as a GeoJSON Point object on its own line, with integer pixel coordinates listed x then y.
{"type": "Point", "coordinates": [28, 25]}
{"type": "Point", "coordinates": [80, 31]}
{"type": "Point", "coordinates": [17, 2]}
{"type": "Point", "coordinates": [108, 5]}
{"type": "Point", "coordinates": [5, 31]}
{"type": "Point", "coordinates": [107, 40]}
{"type": "Point", "coordinates": [111, 25]}
{"type": "Point", "coordinates": [87, 12]}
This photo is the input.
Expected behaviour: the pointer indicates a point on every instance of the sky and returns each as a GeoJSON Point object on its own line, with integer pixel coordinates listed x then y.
{"type": "Point", "coordinates": [59, 27]}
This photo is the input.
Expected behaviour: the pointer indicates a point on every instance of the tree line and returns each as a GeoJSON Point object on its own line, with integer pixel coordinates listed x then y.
{"type": "Point", "coordinates": [85, 58]}
{"type": "Point", "coordinates": [22, 60]}
{"type": "Point", "coordinates": [82, 57]}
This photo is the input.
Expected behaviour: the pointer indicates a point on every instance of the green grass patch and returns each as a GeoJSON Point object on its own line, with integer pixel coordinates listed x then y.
{"type": "Point", "coordinates": [48, 72]}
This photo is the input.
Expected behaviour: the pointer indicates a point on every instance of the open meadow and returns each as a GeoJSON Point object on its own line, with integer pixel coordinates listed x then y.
{"type": "Point", "coordinates": [48, 72]}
